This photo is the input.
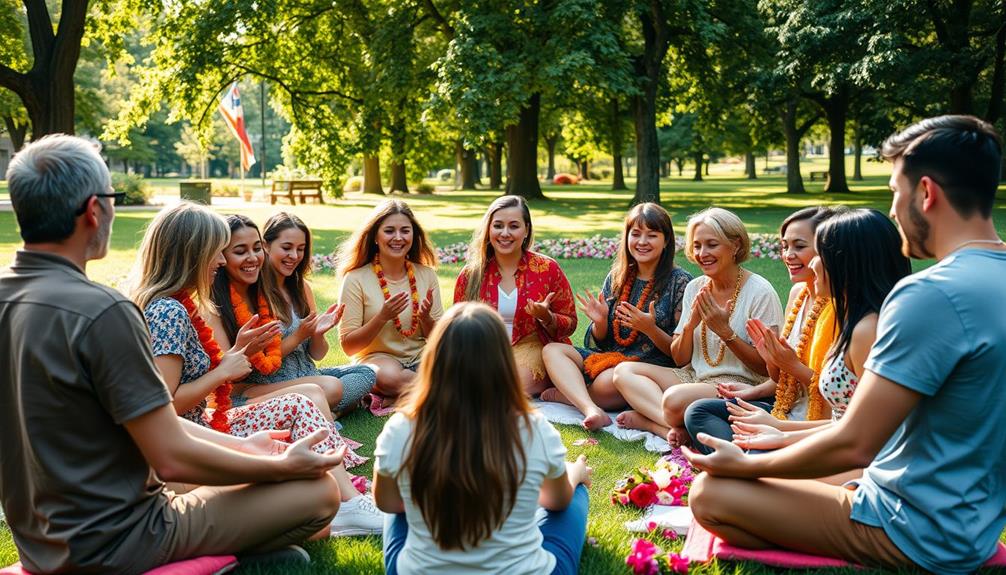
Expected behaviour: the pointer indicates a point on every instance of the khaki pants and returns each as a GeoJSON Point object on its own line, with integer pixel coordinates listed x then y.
{"type": "Point", "coordinates": [803, 515]}
{"type": "Point", "coordinates": [261, 517]}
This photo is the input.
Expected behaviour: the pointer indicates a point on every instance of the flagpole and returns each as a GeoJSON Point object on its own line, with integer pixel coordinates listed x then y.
{"type": "Point", "coordinates": [262, 166]}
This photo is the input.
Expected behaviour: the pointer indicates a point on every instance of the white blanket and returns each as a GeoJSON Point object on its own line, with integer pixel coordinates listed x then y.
{"type": "Point", "coordinates": [678, 518]}
{"type": "Point", "coordinates": [569, 415]}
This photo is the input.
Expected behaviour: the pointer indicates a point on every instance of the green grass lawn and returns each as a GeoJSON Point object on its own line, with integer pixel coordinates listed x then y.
{"type": "Point", "coordinates": [572, 211]}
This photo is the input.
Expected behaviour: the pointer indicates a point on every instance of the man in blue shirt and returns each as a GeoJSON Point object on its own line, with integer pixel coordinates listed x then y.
{"type": "Point", "coordinates": [927, 419]}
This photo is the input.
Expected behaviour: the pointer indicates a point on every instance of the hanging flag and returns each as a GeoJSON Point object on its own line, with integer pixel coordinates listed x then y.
{"type": "Point", "coordinates": [234, 117]}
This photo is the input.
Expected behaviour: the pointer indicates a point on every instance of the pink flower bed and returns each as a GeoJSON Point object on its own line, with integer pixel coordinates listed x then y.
{"type": "Point", "coordinates": [764, 246]}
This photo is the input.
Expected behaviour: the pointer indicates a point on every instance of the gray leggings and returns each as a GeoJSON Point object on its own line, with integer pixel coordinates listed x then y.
{"type": "Point", "coordinates": [357, 381]}
{"type": "Point", "coordinates": [710, 416]}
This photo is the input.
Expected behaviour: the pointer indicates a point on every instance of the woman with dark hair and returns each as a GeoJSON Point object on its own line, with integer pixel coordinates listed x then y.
{"type": "Point", "coordinates": [289, 296]}
{"type": "Point", "coordinates": [466, 462]}
{"type": "Point", "coordinates": [630, 319]}
{"type": "Point", "coordinates": [391, 293]}
{"type": "Point", "coordinates": [528, 289]}
{"type": "Point", "coordinates": [791, 390]}
{"type": "Point", "coordinates": [240, 294]}
{"type": "Point", "coordinates": [858, 262]}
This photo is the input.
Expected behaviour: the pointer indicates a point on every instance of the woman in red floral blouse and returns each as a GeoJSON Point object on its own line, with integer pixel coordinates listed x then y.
{"type": "Point", "coordinates": [528, 289]}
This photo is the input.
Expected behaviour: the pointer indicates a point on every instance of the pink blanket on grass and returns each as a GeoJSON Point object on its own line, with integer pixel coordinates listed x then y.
{"type": "Point", "coordinates": [702, 546]}
{"type": "Point", "coordinates": [209, 565]}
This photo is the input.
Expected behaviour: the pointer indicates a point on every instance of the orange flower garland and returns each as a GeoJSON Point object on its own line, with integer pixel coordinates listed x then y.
{"type": "Point", "coordinates": [641, 305]}
{"type": "Point", "coordinates": [788, 387]}
{"type": "Point", "coordinates": [413, 292]}
{"type": "Point", "coordinates": [222, 394]}
{"type": "Point", "coordinates": [269, 360]}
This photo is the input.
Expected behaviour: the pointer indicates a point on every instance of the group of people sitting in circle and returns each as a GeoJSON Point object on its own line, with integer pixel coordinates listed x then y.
{"type": "Point", "coordinates": [191, 418]}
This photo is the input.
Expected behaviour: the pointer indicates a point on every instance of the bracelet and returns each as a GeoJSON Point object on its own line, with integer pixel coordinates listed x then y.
{"type": "Point", "coordinates": [730, 339]}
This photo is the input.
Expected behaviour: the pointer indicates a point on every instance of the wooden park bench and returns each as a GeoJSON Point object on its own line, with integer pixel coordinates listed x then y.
{"type": "Point", "coordinates": [293, 189]}
{"type": "Point", "coordinates": [773, 170]}
{"type": "Point", "coordinates": [822, 173]}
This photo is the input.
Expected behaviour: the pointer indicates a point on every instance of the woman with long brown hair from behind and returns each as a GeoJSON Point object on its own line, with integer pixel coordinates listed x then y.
{"type": "Point", "coordinates": [465, 462]}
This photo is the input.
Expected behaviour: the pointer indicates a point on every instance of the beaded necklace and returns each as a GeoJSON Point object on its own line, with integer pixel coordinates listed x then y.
{"type": "Point", "coordinates": [222, 394]}
{"type": "Point", "coordinates": [730, 312]}
{"type": "Point", "coordinates": [270, 359]}
{"type": "Point", "coordinates": [641, 304]}
{"type": "Point", "coordinates": [413, 292]}
{"type": "Point", "coordinates": [788, 387]}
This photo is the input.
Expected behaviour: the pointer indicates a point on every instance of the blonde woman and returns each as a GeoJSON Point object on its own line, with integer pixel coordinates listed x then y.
{"type": "Point", "coordinates": [789, 393]}
{"type": "Point", "coordinates": [466, 463]}
{"type": "Point", "coordinates": [181, 252]}
{"type": "Point", "coordinates": [391, 295]}
{"type": "Point", "coordinates": [711, 335]}
{"type": "Point", "coordinates": [528, 289]}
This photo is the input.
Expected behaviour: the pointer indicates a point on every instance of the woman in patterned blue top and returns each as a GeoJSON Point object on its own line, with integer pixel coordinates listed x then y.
{"type": "Point", "coordinates": [630, 320]}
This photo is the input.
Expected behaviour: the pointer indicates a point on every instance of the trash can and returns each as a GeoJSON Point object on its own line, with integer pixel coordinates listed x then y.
{"type": "Point", "coordinates": [195, 191]}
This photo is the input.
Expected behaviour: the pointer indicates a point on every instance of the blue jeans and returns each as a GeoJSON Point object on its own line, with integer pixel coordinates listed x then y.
{"type": "Point", "coordinates": [562, 531]}
{"type": "Point", "coordinates": [710, 416]}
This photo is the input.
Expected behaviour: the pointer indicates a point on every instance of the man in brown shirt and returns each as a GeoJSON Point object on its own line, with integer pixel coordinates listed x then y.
{"type": "Point", "coordinates": [89, 431]}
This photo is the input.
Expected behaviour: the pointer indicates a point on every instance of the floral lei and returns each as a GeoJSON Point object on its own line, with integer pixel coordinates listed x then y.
{"type": "Point", "coordinates": [641, 305]}
{"type": "Point", "coordinates": [269, 360]}
{"type": "Point", "coordinates": [222, 394]}
{"type": "Point", "coordinates": [413, 292]}
{"type": "Point", "coordinates": [788, 387]}
{"type": "Point", "coordinates": [667, 483]}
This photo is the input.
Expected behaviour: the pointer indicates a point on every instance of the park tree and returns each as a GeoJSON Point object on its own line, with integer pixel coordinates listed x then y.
{"type": "Point", "coordinates": [344, 74]}
{"type": "Point", "coordinates": [821, 46]}
{"type": "Point", "coordinates": [40, 44]}
{"type": "Point", "coordinates": [505, 57]}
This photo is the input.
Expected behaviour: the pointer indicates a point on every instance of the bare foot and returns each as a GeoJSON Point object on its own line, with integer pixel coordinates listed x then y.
{"type": "Point", "coordinates": [553, 394]}
{"type": "Point", "coordinates": [631, 419]}
{"type": "Point", "coordinates": [596, 420]}
{"type": "Point", "coordinates": [678, 436]}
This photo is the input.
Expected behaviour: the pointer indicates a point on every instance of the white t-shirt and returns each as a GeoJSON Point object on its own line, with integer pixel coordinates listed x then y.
{"type": "Point", "coordinates": [514, 548]}
{"type": "Point", "coordinates": [756, 300]}
{"type": "Point", "coordinates": [507, 307]}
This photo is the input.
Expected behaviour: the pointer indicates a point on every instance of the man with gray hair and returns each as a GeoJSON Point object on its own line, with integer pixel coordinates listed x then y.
{"type": "Point", "coordinates": [89, 429]}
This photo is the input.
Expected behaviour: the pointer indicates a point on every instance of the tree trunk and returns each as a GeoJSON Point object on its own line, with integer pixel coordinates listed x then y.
{"type": "Point", "coordinates": [522, 152]}
{"type": "Point", "coordinates": [495, 150]}
{"type": "Point", "coordinates": [794, 181]}
{"type": "Point", "coordinates": [998, 76]}
{"type": "Point", "coordinates": [681, 166]}
{"type": "Point", "coordinates": [399, 179]}
{"type": "Point", "coordinates": [836, 108]}
{"type": "Point", "coordinates": [47, 90]}
{"type": "Point", "coordinates": [618, 178]}
{"type": "Point", "coordinates": [550, 142]}
{"type": "Point", "coordinates": [466, 160]}
{"type": "Point", "coordinates": [709, 161]}
{"type": "Point", "coordinates": [750, 167]}
{"type": "Point", "coordinates": [372, 175]}
{"type": "Point", "coordinates": [584, 169]}
{"type": "Point", "coordinates": [857, 168]}
{"type": "Point", "coordinates": [697, 156]}
{"type": "Point", "coordinates": [649, 66]}
{"type": "Point", "coordinates": [665, 169]}
{"type": "Point", "coordinates": [17, 132]}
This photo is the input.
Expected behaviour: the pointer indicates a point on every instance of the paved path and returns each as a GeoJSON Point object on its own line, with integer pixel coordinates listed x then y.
{"type": "Point", "coordinates": [158, 202]}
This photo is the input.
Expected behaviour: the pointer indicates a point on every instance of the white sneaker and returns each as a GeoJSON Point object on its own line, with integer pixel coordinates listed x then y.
{"type": "Point", "coordinates": [358, 516]}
